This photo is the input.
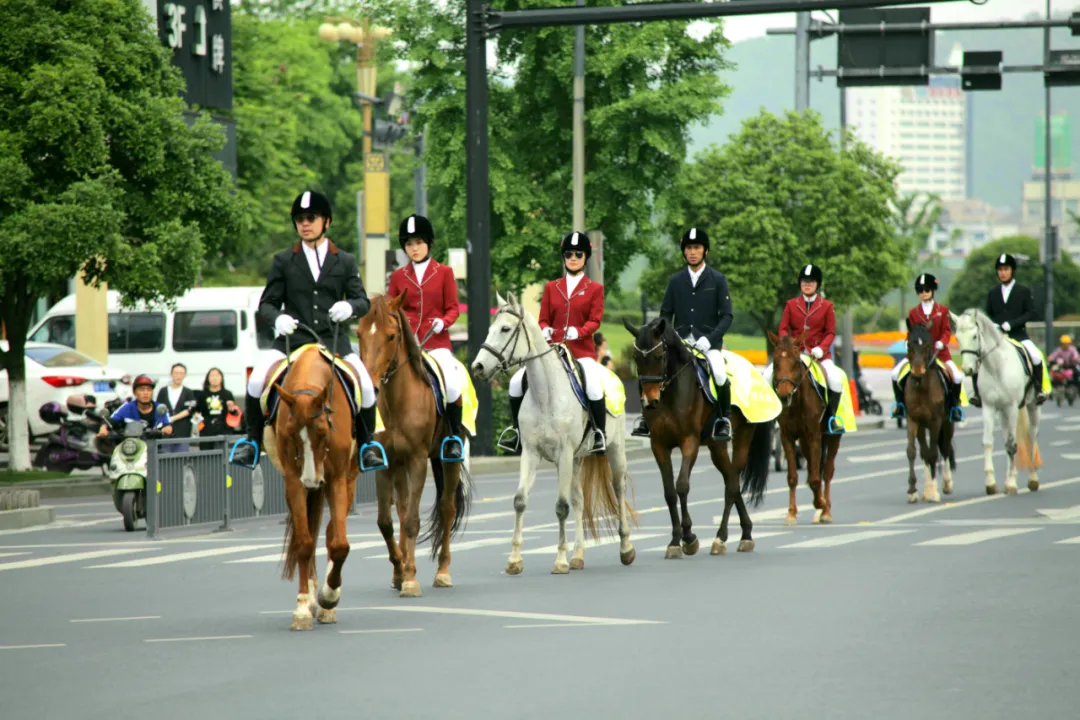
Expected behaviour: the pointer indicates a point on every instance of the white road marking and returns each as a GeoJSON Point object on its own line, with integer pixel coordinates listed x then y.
{"type": "Point", "coordinates": [456, 547]}
{"type": "Point", "coordinates": [1069, 541]}
{"type": "Point", "coordinates": [900, 455]}
{"type": "Point", "coordinates": [512, 614]}
{"type": "Point", "coordinates": [379, 632]}
{"type": "Point", "coordinates": [731, 538]}
{"type": "Point", "coordinates": [73, 557]}
{"type": "Point", "coordinates": [557, 625]}
{"type": "Point", "coordinates": [1061, 514]}
{"type": "Point", "coordinates": [58, 525]}
{"type": "Point", "coordinates": [973, 538]}
{"type": "Point", "coordinates": [1070, 456]}
{"type": "Point", "coordinates": [492, 515]}
{"type": "Point", "coordinates": [549, 549]}
{"type": "Point", "coordinates": [31, 647]}
{"type": "Point", "coordinates": [120, 619]}
{"type": "Point", "coordinates": [319, 552]}
{"type": "Point", "coordinates": [195, 639]}
{"type": "Point", "coordinates": [845, 539]}
{"type": "Point", "coordinates": [973, 501]}
{"type": "Point", "coordinates": [12, 554]}
{"type": "Point", "coordinates": [179, 557]}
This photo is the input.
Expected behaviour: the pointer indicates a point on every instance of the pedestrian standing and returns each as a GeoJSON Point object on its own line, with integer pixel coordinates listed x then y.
{"type": "Point", "coordinates": [180, 401]}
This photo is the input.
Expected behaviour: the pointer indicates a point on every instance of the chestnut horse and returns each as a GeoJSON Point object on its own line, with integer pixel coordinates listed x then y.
{"type": "Point", "coordinates": [413, 438]}
{"type": "Point", "coordinates": [676, 411]}
{"type": "Point", "coordinates": [803, 420]}
{"type": "Point", "coordinates": [926, 398]}
{"type": "Point", "coordinates": [311, 443]}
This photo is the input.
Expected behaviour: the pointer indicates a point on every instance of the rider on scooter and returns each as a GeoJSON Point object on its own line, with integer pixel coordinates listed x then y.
{"type": "Point", "coordinates": [141, 408]}
{"type": "Point", "coordinates": [1066, 355]}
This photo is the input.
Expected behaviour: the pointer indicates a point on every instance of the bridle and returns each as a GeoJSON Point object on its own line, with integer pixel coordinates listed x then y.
{"type": "Point", "coordinates": [796, 384]}
{"type": "Point", "coordinates": [664, 380]}
{"type": "Point", "coordinates": [507, 362]}
{"type": "Point", "coordinates": [328, 406]}
{"type": "Point", "coordinates": [325, 409]}
{"type": "Point", "coordinates": [979, 354]}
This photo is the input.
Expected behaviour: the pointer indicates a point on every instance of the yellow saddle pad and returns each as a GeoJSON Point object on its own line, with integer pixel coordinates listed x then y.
{"type": "Point", "coordinates": [1028, 362]}
{"type": "Point", "coordinates": [749, 391]}
{"type": "Point", "coordinates": [946, 375]}
{"type": "Point", "coordinates": [846, 411]}
{"type": "Point", "coordinates": [614, 393]}
{"type": "Point", "coordinates": [275, 377]}
{"type": "Point", "coordinates": [469, 405]}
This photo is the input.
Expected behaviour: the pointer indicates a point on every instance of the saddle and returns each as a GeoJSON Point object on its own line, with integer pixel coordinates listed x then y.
{"type": "Point", "coordinates": [270, 400]}
{"type": "Point", "coordinates": [437, 381]}
{"type": "Point", "coordinates": [846, 410]}
{"type": "Point", "coordinates": [749, 392]}
{"type": "Point", "coordinates": [614, 390]}
{"type": "Point", "coordinates": [1029, 364]}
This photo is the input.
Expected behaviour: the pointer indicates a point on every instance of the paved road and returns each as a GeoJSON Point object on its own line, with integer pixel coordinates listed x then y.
{"type": "Point", "coordinates": [959, 610]}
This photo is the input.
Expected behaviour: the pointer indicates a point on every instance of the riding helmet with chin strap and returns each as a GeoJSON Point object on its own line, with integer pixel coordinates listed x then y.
{"type": "Point", "coordinates": [1005, 260]}
{"type": "Point", "coordinates": [576, 241]}
{"type": "Point", "coordinates": [694, 236]}
{"type": "Point", "coordinates": [311, 201]}
{"type": "Point", "coordinates": [811, 273]}
{"type": "Point", "coordinates": [416, 226]}
{"type": "Point", "coordinates": [926, 281]}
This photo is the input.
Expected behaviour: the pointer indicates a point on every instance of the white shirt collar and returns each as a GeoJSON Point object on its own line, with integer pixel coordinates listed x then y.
{"type": "Point", "coordinates": [1006, 290]}
{"type": "Point", "coordinates": [420, 268]}
{"type": "Point", "coordinates": [316, 256]}
{"type": "Point", "coordinates": [810, 299]}
{"type": "Point", "coordinates": [927, 308]}
{"type": "Point", "coordinates": [694, 275]}
{"type": "Point", "coordinates": [572, 281]}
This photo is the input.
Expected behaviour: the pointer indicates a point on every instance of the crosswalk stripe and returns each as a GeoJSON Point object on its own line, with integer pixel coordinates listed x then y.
{"type": "Point", "coordinates": [570, 544]}
{"type": "Point", "coordinates": [179, 557]}
{"type": "Point", "coordinates": [845, 539]}
{"type": "Point", "coordinates": [72, 557]}
{"type": "Point", "coordinates": [1069, 541]}
{"type": "Point", "coordinates": [973, 538]}
{"type": "Point", "coordinates": [12, 554]}
{"type": "Point", "coordinates": [319, 552]}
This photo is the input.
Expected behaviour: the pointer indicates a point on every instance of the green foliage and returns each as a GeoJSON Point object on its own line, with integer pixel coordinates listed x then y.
{"type": "Point", "coordinates": [780, 195]}
{"type": "Point", "coordinates": [645, 86]}
{"type": "Point", "coordinates": [979, 276]}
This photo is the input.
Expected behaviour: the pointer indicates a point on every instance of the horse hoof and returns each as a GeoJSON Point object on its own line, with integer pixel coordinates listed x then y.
{"type": "Point", "coordinates": [577, 563]}
{"type": "Point", "coordinates": [327, 617]}
{"type": "Point", "coordinates": [328, 598]}
{"type": "Point", "coordinates": [1011, 490]}
{"type": "Point", "coordinates": [791, 520]}
{"type": "Point", "coordinates": [718, 547]}
{"type": "Point", "coordinates": [410, 589]}
{"type": "Point", "coordinates": [514, 567]}
{"type": "Point", "coordinates": [1033, 485]}
{"type": "Point", "coordinates": [674, 552]}
{"type": "Point", "coordinates": [628, 557]}
{"type": "Point", "coordinates": [691, 548]}
{"type": "Point", "coordinates": [825, 519]}
{"type": "Point", "coordinates": [947, 488]}
{"type": "Point", "coordinates": [913, 498]}
{"type": "Point", "coordinates": [443, 580]}
{"type": "Point", "coordinates": [746, 546]}
{"type": "Point", "coordinates": [562, 568]}
{"type": "Point", "coordinates": [934, 498]}
{"type": "Point", "coordinates": [991, 489]}
{"type": "Point", "coordinates": [396, 581]}
{"type": "Point", "coordinates": [302, 622]}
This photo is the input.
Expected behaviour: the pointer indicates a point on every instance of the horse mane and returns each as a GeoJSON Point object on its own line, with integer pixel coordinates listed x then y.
{"type": "Point", "coordinates": [412, 347]}
{"type": "Point", "coordinates": [921, 333]}
{"type": "Point", "coordinates": [983, 321]}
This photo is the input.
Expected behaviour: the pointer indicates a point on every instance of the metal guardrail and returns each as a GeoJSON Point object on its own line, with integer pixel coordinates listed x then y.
{"type": "Point", "coordinates": [190, 482]}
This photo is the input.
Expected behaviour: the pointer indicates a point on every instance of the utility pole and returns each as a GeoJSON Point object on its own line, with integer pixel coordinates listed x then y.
{"type": "Point", "coordinates": [579, 126]}
{"type": "Point", "coordinates": [802, 62]}
{"type": "Point", "coordinates": [848, 358]}
{"type": "Point", "coordinates": [420, 178]}
{"type": "Point", "coordinates": [1048, 255]}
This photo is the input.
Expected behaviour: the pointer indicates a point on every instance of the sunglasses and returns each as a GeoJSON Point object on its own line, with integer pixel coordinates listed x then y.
{"type": "Point", "coordinates": [575, 254]}
{"type": "Point", "coordinates": [306, 217]}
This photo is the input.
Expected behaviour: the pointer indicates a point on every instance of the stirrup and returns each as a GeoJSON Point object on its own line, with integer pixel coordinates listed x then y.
{"type": "Point", "coordinates": [956, 414]}
{"type": "Point", "coordinates": [452, 440]}
{"type": "Point", "coordinates": [240, 443]}
{"type": "Point", "coordinates": [641, 428]}
{"type": "Point", "coordinates": [838, 429]}
{"type": "Point", "coordinates": [602, 448]}
{"type": "Point", "coordinates": [383, 463]}
{"type": "Point", "coordinates": [975, 401]}
{"type": "Point", "coordinates": [511, 445]}
{"type": "Point", "coordinates": [724, 431]}
{"type": "Point", "coordinates": [898, 411]}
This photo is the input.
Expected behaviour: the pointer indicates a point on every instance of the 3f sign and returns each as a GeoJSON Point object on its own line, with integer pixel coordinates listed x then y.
{"type": "Point", "coordinates": [176, 13]}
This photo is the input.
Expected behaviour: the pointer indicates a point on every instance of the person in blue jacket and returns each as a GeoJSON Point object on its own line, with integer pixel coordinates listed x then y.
{"type": "Point", "coordinates": [141, 408]}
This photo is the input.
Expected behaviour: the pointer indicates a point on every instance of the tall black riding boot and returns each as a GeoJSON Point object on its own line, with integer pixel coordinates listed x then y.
{"type": "Point", "coordinates": [899, 409]}
{"type": "Point", "coordinates": [1037, 376]}
{"type": "Point", "coordinates": [976, 401]}
{"type": "Point", "coordinates": [246, 451]}
{"type": "Point", "coordinates": [832, 428]}
{"type": "Point", "coordinates": [453, 449]}
{"type": "Point", "coordinates": [956, 412]}
{"type": "Point", "coordinates": [720, 423]}
{"type": "Point", "coordinates": [598, 415]}
{"type": "Point", "coordinates": [373, 456]}
{"type": "Point", "coordinates": [510, 439]}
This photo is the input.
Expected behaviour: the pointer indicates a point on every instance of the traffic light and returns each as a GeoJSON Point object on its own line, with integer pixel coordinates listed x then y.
{"type": "Point", "coordinates": [982, 81]}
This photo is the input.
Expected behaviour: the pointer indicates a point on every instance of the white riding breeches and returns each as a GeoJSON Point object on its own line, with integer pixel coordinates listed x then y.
{"type": "Point", "coordinates": [257, 381]}
{"type": "Point", "coordinates": [594, 383]}
{"type": "Point", "coordinates": [451, 371]}
{"type": "Point", "coordinates": [716, 364]}
{"type": "Point", "coordinates": [1033, 351]}
{"type": "Point", "coordinates": [957, 375]}
{"type": "Point", "coordinates": [833, 378]}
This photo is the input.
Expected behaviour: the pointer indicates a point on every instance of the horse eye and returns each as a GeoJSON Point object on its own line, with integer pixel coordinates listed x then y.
{"type": "Point", "coordinates": [390, 338]}
{"type": "Point", "coordinates": [505, 328]}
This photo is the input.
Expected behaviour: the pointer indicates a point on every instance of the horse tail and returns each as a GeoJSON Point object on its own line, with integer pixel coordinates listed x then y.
{"type": "Point", "coordinates": [755, 474]}
{"type": "Point", "coordinates": [1027, 453]}
{"type": "Point", "coordinates": [598, 489]}
{"type": "Point", "coordinates": [463, 496]}
{"type": "Point", "coordinates": [315, 499]}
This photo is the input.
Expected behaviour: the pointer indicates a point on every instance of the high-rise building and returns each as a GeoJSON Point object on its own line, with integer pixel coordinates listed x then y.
{"type": "Point", "coordinates": [922, 127]}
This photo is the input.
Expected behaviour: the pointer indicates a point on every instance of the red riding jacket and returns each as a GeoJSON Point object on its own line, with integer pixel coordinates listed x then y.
{"type": "Point", "coordinates": [433, 297]}
{"type": "Point", "coordinates": [940, 329]}
{"type": "Point", "coordinates": [583, 311]}
{"type": "Point", "coordinates": [819, 322]}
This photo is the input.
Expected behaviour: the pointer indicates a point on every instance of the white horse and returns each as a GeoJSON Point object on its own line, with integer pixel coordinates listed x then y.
{"type": "Point", "coordinates": [553, 426]}
{"type": "Point", "coordinates": [1006, 394]}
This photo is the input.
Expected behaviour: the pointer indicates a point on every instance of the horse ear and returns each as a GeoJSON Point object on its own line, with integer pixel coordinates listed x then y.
{"type": "Point", "coordinates": [661, 327]}
{"type": "Point", "coordinates": [630, 327]}
{"type": "Point", "coordinates": [514, 304]}
{"type": "Point", "coordinates": [286, 398]}
{"type": "Point", "coordinates": [954, 318]}
{"type": "Point", "coordinates": [499, 299]}
{"type": "Point", "coordinates": [397, 300]}
{"type": "Point", "coordinates": [774, 339]}
{"type": "Point", "coordinates": [907, 321]}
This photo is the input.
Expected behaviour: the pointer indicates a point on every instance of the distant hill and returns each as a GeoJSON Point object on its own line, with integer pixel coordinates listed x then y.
{"type": "Point", "coordinates": [1004, 121]}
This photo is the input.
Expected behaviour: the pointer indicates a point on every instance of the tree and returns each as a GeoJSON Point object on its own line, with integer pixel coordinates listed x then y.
{"type": "Point", "coordinates": [646, 85]}
{"type": "Point", "coordinates": [99, 173]}
{"type": "Point", "coordinates": [779, 195]}
{"type": "Point", "coordinates": [979, 276]}
{"type": "Point", "coordinates": [916, 219]}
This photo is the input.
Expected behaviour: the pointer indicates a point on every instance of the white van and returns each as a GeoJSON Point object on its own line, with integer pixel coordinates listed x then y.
{"type": "Point", "coordinates": [210, 327]}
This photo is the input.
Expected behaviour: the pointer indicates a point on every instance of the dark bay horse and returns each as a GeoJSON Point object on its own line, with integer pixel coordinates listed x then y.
{"type": "Point", "coordinates": [926, 399]}
{"type": "Point", "coordinates": [676, 411]}
{"type": "Point", "coordinates": [412, 438]}
{"type": "Point", "coordinates": [803, 420]}
{"type": "Point", "coordinates": [311, 443]}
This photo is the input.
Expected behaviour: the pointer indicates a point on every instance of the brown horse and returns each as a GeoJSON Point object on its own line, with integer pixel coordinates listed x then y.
{"type": "Point", "coordinates": [926, 401]}
{"type": "Point", "coordinates": [676, 411]}
{"type": "Point", "coordinates": [803, 420]}
{"type": "Point", "coordinates": [311, 443]}
{"type": "Point", "coordinates": [413, 438]}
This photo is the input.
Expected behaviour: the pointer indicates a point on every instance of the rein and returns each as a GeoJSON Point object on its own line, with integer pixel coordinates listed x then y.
{"type": "Point", "coordinates": [979, 354]}
{"type": "Point", "coordinates": [664, 380]}
{"type": "Point", "coordinates": [328, 406]}
{"type": "Point", "coordinates": [508, 362]}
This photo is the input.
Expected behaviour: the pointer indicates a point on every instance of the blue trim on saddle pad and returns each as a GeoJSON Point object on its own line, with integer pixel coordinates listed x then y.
{"type": "Point", "coordinates": [436, 389]}
{"type": "Point", "coordinates": [575, 384]}
{"type": "Point", "coordinates": [701, 366]}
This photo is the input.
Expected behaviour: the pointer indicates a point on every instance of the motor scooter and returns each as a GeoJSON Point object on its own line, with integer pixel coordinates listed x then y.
{"type": "Point", "coordinates": [75, 445]}
{"type": "Point", "coordinates": [128, 466]}
{"type": "Point", "coordinates": [1064, 384]}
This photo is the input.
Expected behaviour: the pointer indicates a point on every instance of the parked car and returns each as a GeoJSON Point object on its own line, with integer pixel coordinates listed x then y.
{"type": "Point", "coordinates": [54, 372]}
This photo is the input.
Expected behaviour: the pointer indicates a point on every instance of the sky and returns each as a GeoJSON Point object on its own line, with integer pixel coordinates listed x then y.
{"type": "Point", "coordinates": [743, 28]}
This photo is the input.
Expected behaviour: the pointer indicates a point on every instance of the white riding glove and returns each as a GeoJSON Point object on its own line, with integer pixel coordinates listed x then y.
{"type": "Point", "coordinates": [818, 353]}
{"type": "Point", "coordinates": [285, 325]}
{"type": "Point", "coordinates": [571, 333]}
{"type": "Point", "coordinates": [703, 344]}
{"type": "Point", "coordinates": [340, 311]}
{"type": "Point", "coordinates": [548, 332]}
{"type": "Point", "coordinates": [1006, 326]}
{"type": "Point", "coordinates": [437, 326]}
{"type": "Point", "coordinates": [939, 345]}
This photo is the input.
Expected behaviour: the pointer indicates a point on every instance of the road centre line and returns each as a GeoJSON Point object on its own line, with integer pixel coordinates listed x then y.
{"type": "Point", "coordinates": [31, 647]}
{"type": "Point", "coordinates": [379, 631]}
{"type": "Point", "coordinates": [116, 619]}
{"type": "Point", "coordinates": [73, 557]}
{"type": "Point", "coordinates": [178, 557]}
{"type": "Point", "coordinates": [195, 639]}
{"type": "Point", "coordinates": [512, 614]}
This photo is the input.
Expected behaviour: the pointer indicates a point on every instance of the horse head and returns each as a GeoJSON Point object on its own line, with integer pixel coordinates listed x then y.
{"type": "Point", "coordinates": [303, 431]}
{"type": "Point", "coordinates": [788, 368]}
{"type": "Point", "coordinates": [508, 342]}
{"type": "Point", "coordinates": [920, 350]}
{"type": "Point", "coordinates": [386, 341]}
{"type": "Point", "coordinates": [654, 343]}
{"type": "Point", "coordinates": [970, 334]}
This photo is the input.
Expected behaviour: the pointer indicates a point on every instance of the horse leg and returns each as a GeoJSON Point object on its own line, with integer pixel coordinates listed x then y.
{"type": "Point", "coordinates": [526, 479]}
{"type": "Point", "coordinates": [928, 447]}
{"type": "Point", "coordinates": [667, 477]}
{"type": "Point", "coordinates": [1033, 439]}
{"type": "Point", "coordinates": [384, 491]}
{"type": "Point", "coordinates": [832, 449]}
{"type": "Point", "coordinates": [565, 468]}
{"type": "Point", "coordinates": [732, 495]}
{"type": "Point", "coordinates": [448, 510]}
{"type": "Point", "coordinates": [619, 475]}
{"type": "Point", "coordinates": [912, 482]}
{"type": "Point", "coordinates": [577, 502]}
{"type": "Point", "coordinates": [988, 450]}
{"type": "Point", "coordinates": [947, 460]}
{"type": "Point", "coordinates": [337, 548]}
{"type": "Point", "coordinates": [814, 452]}
{"type": "Point", "coordinates": [301, 550]}
{"type": "Point", "coordinates": [410, 527]}
{"type": "Point", "coordinates": [792, 477]}
{"type": "Point", "coordinates": [1009, 431]}
{"type": "Point", "coordinates": [691, 446]}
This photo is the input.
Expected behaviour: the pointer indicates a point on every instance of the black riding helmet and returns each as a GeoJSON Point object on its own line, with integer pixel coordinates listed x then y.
{"type": "Point", "coordinates": [811, 273]}
{"type": "Point", "coordinates": [416, 226]}
{"type": "Point", "coordinates": [311, 201]}
{"type": "Point", "coordinates": [1005, 260]}
{"type": "Point", "coordinates": [694, 236]}
{"type": "Point", "coordinates": [576, 241]}
{"type": "Point", "coordinates": [926, 281]}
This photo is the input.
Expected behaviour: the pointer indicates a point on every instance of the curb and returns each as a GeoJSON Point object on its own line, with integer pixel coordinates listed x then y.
{"type": "Point", "coordinates": [64, 488]}
{"type": "Point", "coordinates": [26, 517]}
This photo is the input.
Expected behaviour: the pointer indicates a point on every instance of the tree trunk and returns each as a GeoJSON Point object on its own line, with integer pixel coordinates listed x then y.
{"type": "Point", "coordinates": [16, 320]}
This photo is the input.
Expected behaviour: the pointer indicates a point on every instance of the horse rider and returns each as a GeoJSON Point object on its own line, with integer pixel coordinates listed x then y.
{"type": "Point", "coordinates": [816, 316]}
{"type": "Point", "coordinates": [431, 306]}
{"type": "Point", "coordinates": [570, 312]}
{"type": "Point", "coordinates": [141, 407]}
{"type": "Point", "coordinates": [698, 305]}
{"type": "Point", "coordinates": [1010, 306]}
{"type": "Point", "coordinates": [317, 284]}
{"type": "Point", "coordinates": [929, 311]}
{"type": "Point", "coordinates": [1066, 355]}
